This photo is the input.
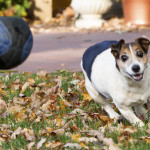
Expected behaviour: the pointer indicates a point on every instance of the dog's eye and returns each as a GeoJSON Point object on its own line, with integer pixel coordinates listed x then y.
{"type": "Point", "coordinates": [124, 58]}
{"type": "Point", "coordinates": [140, 54]}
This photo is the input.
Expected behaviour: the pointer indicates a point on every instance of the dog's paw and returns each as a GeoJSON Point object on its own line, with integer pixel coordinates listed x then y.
{"type": "Point", "coordinates": [139, 124]}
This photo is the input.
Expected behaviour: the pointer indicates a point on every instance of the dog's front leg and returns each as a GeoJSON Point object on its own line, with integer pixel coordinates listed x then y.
{"type": "Point", "coordinates": [141, 111]}
{"type": "Point", "coordinates": [128, 113]}
{"type": "Point", "coordinates": [148, 105]}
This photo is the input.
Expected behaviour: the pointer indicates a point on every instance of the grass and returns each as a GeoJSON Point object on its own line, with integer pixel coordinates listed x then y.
{"type": "Point", "coordinates": [39, 119]}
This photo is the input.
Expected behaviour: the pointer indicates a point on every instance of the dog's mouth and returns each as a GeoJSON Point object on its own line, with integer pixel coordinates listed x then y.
{"type": "Point", "coordinates": [136, 77]}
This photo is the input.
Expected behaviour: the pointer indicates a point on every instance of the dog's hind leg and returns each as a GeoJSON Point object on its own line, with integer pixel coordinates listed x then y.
{"type": "Point", "coordinates": [100, 99]}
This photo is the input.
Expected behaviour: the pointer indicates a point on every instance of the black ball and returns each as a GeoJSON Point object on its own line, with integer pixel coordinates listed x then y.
{"type": "Point", "coordinates": [16, 42]}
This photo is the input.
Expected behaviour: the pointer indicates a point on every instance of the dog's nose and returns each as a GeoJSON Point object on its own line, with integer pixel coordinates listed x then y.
{"type": "Point", "coordinates": [136, 68]}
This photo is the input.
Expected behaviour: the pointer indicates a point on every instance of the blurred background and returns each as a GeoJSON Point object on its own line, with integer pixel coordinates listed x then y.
{"type": "Point", "coordinates": [109, 15]}
{"type": "Point", "coordinates": [63, 29]}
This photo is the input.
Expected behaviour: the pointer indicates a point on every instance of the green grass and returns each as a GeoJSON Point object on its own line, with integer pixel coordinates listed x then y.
{"type": "Point", "coordinates": [58, 114]}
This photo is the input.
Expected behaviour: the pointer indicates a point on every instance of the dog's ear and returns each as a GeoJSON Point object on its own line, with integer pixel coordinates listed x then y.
{"type": "Point", "coordinates": [144, 43]}
{"type": "Point", "coordinates": [115, 48]}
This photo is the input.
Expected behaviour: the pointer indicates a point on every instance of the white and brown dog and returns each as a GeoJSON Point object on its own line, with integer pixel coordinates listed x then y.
{"type": "Point", "coordinates": [119, 71]}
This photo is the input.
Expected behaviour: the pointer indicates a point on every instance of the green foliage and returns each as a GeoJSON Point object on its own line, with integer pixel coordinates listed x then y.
{"type": "Point", "coordinates": [14, 7]}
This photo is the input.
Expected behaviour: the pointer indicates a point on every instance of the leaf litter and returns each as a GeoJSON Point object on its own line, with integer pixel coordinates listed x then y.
{"type": "Point", "coordinates": [54, 111]}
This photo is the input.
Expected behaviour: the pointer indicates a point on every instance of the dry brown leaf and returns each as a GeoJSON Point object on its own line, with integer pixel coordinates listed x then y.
{"type": "Point", "coordinates": [73, 97]}
{"type": "Point", "coordinates": [53, 144]}
{"type": "Point", "coordinates": [28, 134]}
{"type": "Point", "coordinates": [114, 147]}
{"type": "Point", "coordinates": [93, 132]}
{"type": "Point", "coordinates": [77, 111]}
{"type": "Point", "coordinates": [46, 107]}
{"type": "Point", "coordinates": [108, 141]}
{"type": "Point", "coordinates": [16, 87]}
{"type": "Point", "coordinates": [75, 137]}
{"type": "Point", "coordinates": [63, 94]}
{"type": "Point", "coordinates": [3, 106]}
{"type": "Point", "coordinates": [129, 130]}
{"type": "Point", "coordinates": [58, 132]}
{"type": "Point", "coordinates": [105, 119]}
{"type": "Point", "coordinates": [5, 126]}
{"type": "Point", "coordinates": [16, 132]}
{"type": "Point", "coordinates": [17, 81]}
{"type": "Point", "coordinates": [42, 73]}
{"type": "Point", "coordinates": [59, 122]}
{"type": "Point", "coordinates": [86, 96]}
{"type": "Point", "coordinates": [75, 82]}
{"type": "Point", "coordinates": [54, 89]}
{"type": "Point", "coordinates": [40, 143]}
{"type": "Point", "coordinates": [30, 145]}
{"type": "Point", "coordinates": [20, 116]}
{"type": "Point", "coordinates": [20, 101]}
{"type": "Point", "coordinates": [67, 125]}
{"type": "Point", "coordinates": [72, 146]}
{"type": "Point", "coordinates": [15, 109]}
{"type": "Point", "coordinates": [50, 130]}
{"type": "Point", "coordinates": [147, 139]}
{"type": "Point", "coordinates": [1, 141]}
{"type": "Point", "coordinates": [148, 131]}
{"type": "Point", "coordinates": [31, 81]}
{"type": "Point", "coordinates": [24, 87]}
{"type": "Point", "coordinates": [35, 101]}
{"type": "Point", "coordinates": [88, 140]}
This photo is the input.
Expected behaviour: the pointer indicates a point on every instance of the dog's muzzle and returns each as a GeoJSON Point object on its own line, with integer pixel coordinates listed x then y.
{"type": "Point", "coordinates": [136, 77]}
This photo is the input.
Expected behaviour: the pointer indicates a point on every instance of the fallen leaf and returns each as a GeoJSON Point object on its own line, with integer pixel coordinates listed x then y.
{"type": "Point", "coordinates": [42, 73]}
{"type": "Point", "coordinates": [40, 143]}
{"type": "Point", "coordinates": [129, 130]}
{"type": "Point", "coordinates": [24, 87]}
{"type": "Point", "coordinates": [59, 122]}
{"type": "Point", "coordinates": [86, 96]}
{"type": "Point", "coordinates": [31, 81]}
{"type": "Point", "coordinates": [58, 132]}
{"type": "Point", "coordinates": [3, 106]}
{"type": "Point", "coordinates": [93, 133]}
{"type": "Point", "coordinates": [30, 145]}
{"type": "Point", "coordinates": [147, 139]}
{"type": "Point", "coordinates": [114, 147]}
{"type": "Point", "coordinates": [88, 140]}
{"type": "Point", "coordinates": [105, 119]}
{"type": "Point", "coordinates": [75, 82]}
{"type": "Point", "coordinates": [108, 141]}
{"type": "Point", "coordinates": [77, 111]}
{"type": "Point", "coordinates": [75, 137]}
{"type": "Point", "coordinates": [1, 141]}
{"type": "Point", "coordinates": [67, 125]}
{"type": "Point", "coordinates": [28, 134]}
{"type": "Point", "coordinates": [72, 146]}
{"type": "Point", "coordinates": [16, 132]}
{"type": "Point", "coordinates": [53, 144]}
{"type": "Point", "coordinates": [46, 107]}
{"type": "Point", "coordinates": [17, 81]}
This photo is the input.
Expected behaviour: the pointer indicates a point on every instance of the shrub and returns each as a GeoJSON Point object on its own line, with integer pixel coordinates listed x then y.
{"type": "Point", "coordinates": [14, 7]}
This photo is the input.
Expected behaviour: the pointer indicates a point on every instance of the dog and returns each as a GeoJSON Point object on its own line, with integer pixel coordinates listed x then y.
{"type": "Point", "coordinates": [119, 71]}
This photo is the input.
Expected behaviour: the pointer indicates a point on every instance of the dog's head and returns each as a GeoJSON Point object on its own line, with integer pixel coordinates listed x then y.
{"type": "Point", "coordinates": [131, 58]}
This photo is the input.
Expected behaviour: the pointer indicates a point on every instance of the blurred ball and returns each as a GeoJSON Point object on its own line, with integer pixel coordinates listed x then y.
{"type": "Point", "coordinates": [15, 42]}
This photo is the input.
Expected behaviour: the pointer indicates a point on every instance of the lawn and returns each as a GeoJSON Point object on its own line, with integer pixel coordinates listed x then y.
{"type": "Point", "coordinates": [54, 111]}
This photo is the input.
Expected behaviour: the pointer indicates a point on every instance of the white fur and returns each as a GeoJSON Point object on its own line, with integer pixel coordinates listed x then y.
{"type": "Point", "coordinates": [107, 81]}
